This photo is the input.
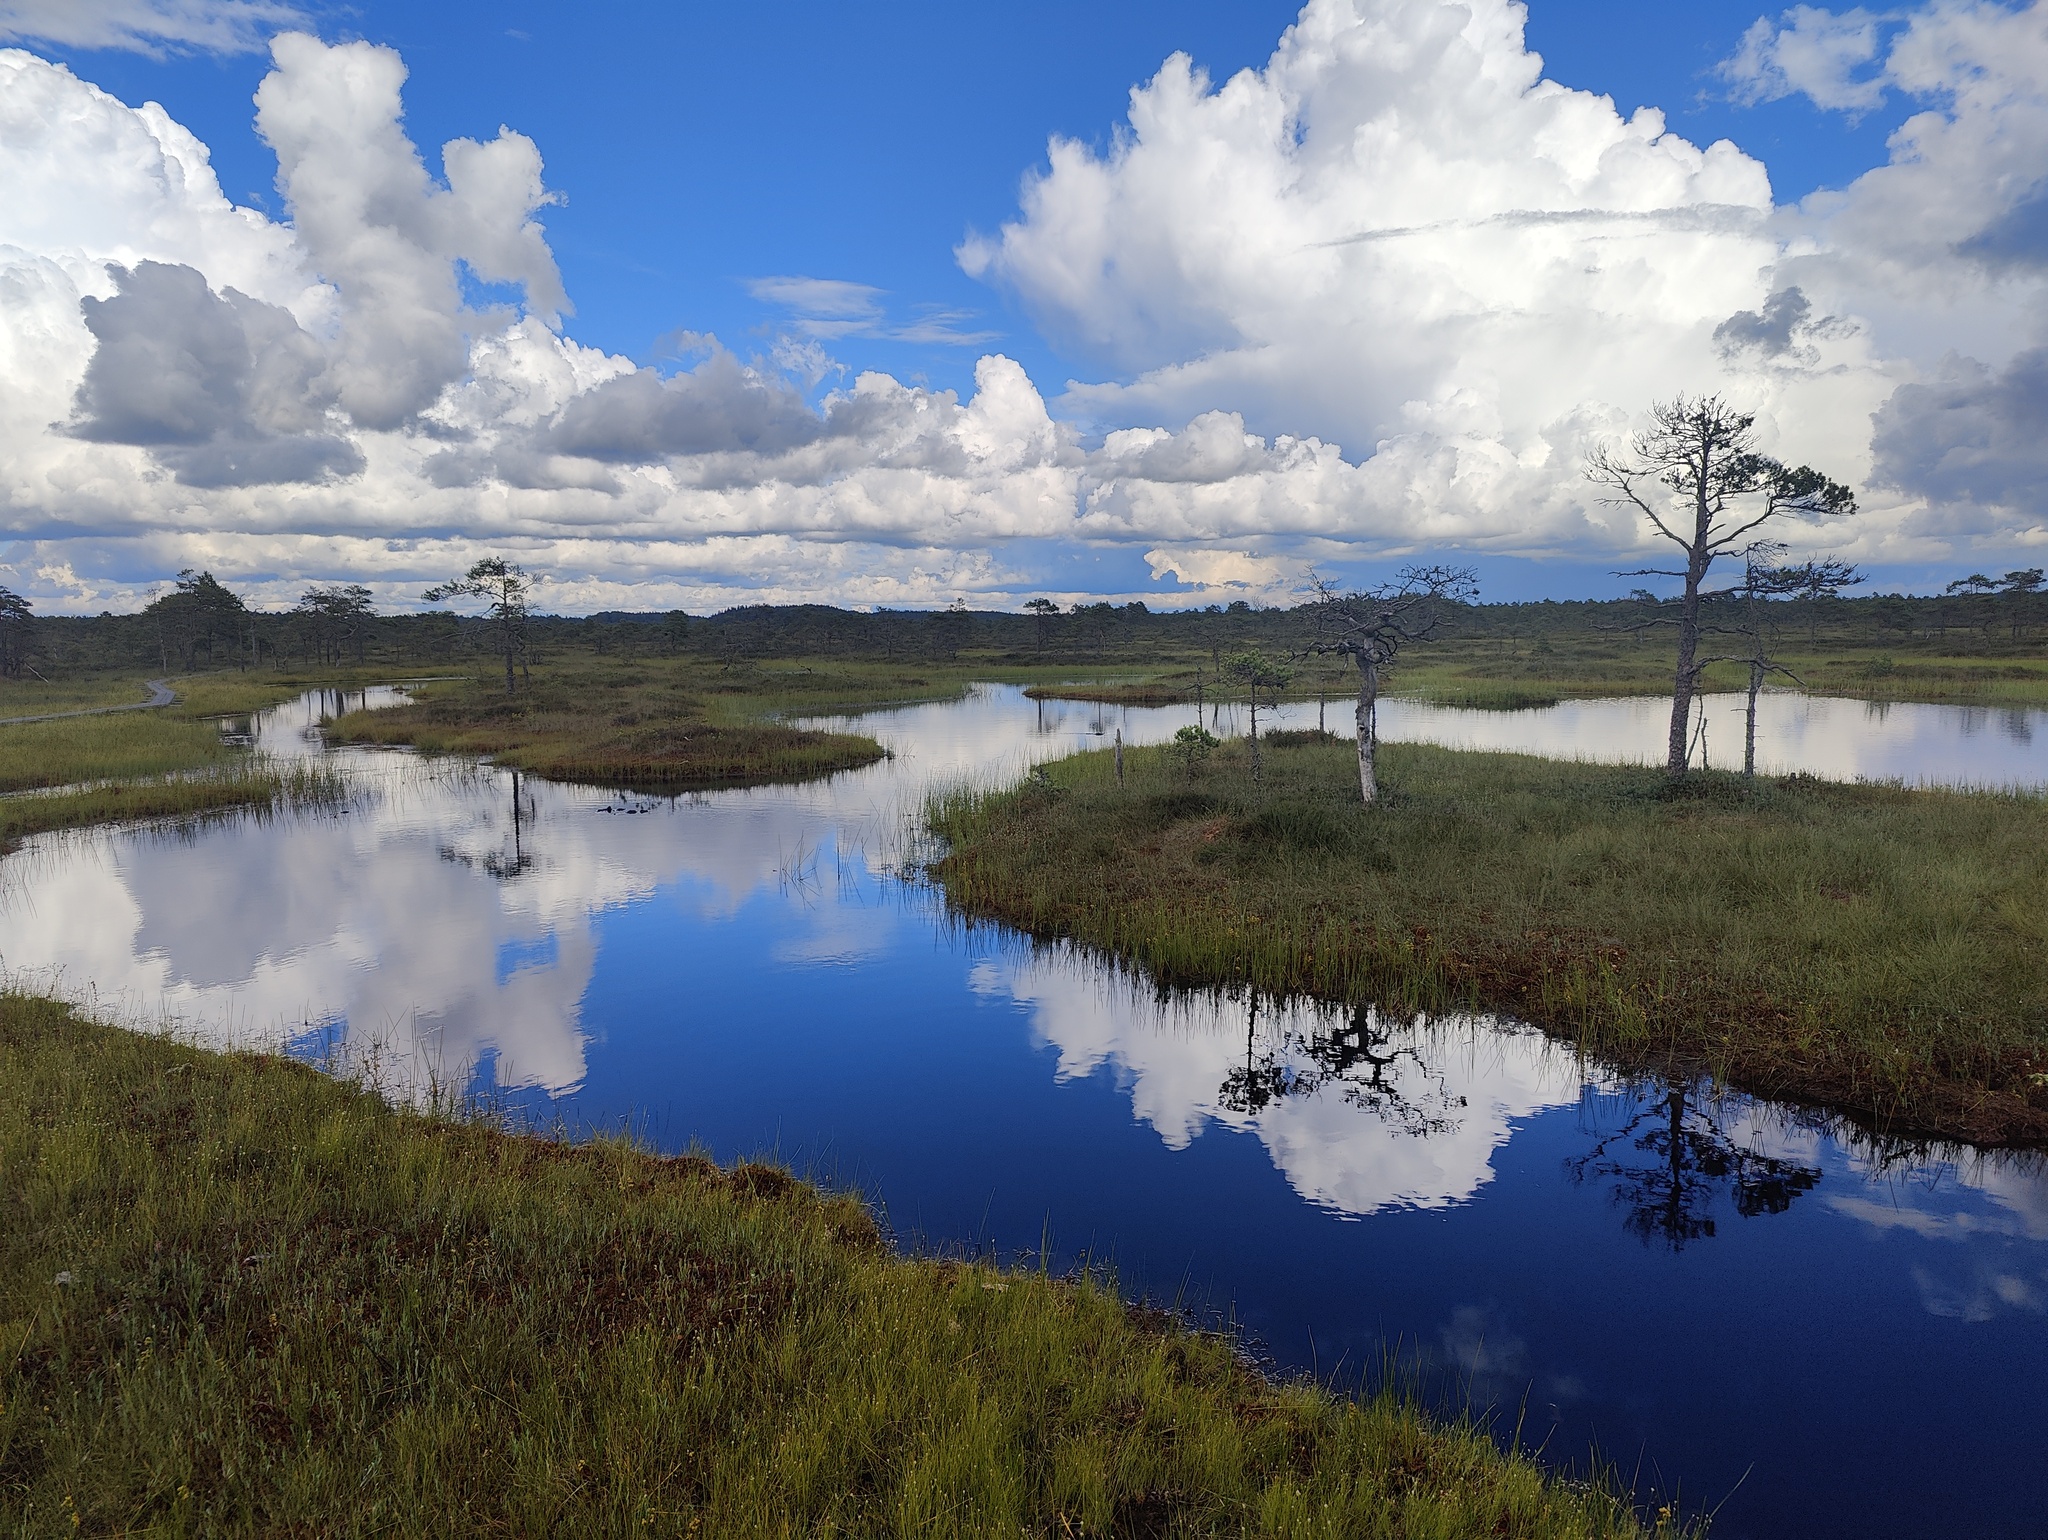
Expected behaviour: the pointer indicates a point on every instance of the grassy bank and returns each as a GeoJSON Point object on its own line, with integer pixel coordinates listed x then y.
{"type": "Point", "coordinates": [237, 1297]}
{"type": "Point", "coordinates": [236, 787]}
{"type": "Point", "coordinates": [609, 723]}
{"type": "Point", "coordinates": [1118, 692]}
{"type": "Point", "coordinates": [181, 737]}
{"type": "Point", "coordinates": [1871, 949]}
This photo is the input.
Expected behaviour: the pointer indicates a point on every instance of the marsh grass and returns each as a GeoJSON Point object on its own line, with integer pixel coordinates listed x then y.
{"type": "Point", "coordinates": [1866, 948]}
{"type": "Point", "coordinates": [1119, 693]}
{"type": "Point", "coordinates": [238, 1297]}
{"type": "Point", "coordinates": [85, 691]}
{"type": "Point", "coordinates": [638, 728]}
{"type": "Point", "coordinates": [127, 744]}
{"type": "Point", "coordinates": [241, 786]}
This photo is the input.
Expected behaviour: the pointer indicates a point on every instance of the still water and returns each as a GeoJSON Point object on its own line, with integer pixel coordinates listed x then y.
{"type": "Point", "coordinates": [1728, 1301]}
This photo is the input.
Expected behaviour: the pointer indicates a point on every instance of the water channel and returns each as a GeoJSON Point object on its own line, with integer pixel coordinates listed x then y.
{"type": "Point", "coordinates": [1730, 1302]}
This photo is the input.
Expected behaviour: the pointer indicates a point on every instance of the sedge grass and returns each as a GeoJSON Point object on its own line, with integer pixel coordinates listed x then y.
{"type": "Point", "coordinates": [1871, 949]}
{"type": "Point", "coordinates": [238, 1298]}
{"type": "Point", "coordinates": [126, 744]}
{"type": "Point", "coordinates": [239, 786]}
{"type": "Point", "coordinates": [573, 730]}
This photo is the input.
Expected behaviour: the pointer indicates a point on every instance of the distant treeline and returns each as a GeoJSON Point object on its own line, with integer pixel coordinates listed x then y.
{"type": "Point", "coordinates": [203, 625]}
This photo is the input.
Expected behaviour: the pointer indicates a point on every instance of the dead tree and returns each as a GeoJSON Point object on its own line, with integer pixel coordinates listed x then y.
{"type": "Point", "coordinates": [1371, 626]}
{"type": "Point", "coordinates": [1697, 475]}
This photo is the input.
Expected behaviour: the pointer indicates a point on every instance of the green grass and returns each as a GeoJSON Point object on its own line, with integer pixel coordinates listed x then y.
{"type": "Point", "coordinates": [79, 691]}
{"type": "Point", "coordinates": [237, 786]}
{"type": "Point", "coordinates": [618, 725]}
{"type": "Point", "coordinates": [124, 745]}
{"type": "Point", "coordinates": [240, 1298]}
{"type": "Point", "coordinates": [1117, 693]}
{"type": "Point", "coordinates": [128, 745]}
{"type": "Point", "coordinates": [1871, 949]}
{"type": "Point", "coordinates": [664, 723]}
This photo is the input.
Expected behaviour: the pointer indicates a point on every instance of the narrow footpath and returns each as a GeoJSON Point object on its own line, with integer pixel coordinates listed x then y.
{"type": "Point", "coordinates": [159, 695]}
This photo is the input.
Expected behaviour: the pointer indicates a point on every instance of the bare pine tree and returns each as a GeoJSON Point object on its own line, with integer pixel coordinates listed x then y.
{"type": "Point", "coordinates": [1698, 477]}
{"type": "Point", "coordinates": [1371, 627]}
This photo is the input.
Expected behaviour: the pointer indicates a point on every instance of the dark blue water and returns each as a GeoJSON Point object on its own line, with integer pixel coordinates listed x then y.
{"type": "Point", "coordinates": [1725, 1301]}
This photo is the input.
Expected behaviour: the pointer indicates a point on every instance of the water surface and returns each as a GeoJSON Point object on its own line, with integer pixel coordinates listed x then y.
{"type": "Point", "coordinates": [1727, 1299]}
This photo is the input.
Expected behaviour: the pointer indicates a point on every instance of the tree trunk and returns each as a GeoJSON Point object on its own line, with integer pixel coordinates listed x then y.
{"type": "Point", "coordinates": [1756, 684]}
{"type": "Point", "coordinates": [1255, 735]}
{"type": "Point", "coordinates": [1368, 729]}
{"type": "Point", "coordinates": [1685, 679]}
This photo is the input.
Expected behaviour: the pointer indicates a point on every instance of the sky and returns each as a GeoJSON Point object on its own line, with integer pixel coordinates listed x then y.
{"type": "Point", "coordinates": [911, 304]}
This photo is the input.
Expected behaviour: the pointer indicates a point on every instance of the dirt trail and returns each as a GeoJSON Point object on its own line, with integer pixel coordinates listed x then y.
{"type": "Point", "coordinates": [159, 695]}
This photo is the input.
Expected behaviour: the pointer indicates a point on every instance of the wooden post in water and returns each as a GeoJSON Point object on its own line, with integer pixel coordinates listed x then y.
{"type": "Point", "coordinates": [1119, 756]}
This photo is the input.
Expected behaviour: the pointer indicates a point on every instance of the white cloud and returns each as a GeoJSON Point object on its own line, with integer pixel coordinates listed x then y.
{"type": "Point", "coordinates": [148, 26]}
{"type": "Point", "coordinates": [1399, 238]}
{"type": "Point", "coordinates": [1393, 284]}
{"type": "Point", "coordinates": [1210, 568]}
{"type": "Point", "coordinates": [833, 307]}
{"type": "Point", "coordinates": [1360, 1116]}
{"type": "Point", "coordinates": [1810, 52]}
{"type": "Point", "coordinates": [833, 297]}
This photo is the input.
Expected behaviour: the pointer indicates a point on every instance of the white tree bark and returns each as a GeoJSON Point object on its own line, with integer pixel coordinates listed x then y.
{"type": "Point", "coordinates": [1368, 729]}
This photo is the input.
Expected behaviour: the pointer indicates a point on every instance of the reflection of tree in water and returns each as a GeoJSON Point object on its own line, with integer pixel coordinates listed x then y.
{"type": "Point", "coordinates": [1362, 1060]}
{"type": "Point", "coordinates": [1672, 1161]}
{"type": "Point", "coordinates": [502, 863]}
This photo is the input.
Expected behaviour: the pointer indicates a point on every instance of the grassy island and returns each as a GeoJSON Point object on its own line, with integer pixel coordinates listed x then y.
{"type": "Point", "coordinates": [658, 726]}
{"type": "Point", "coordinates": [1870, 949]}
{"type": "Point", "coordinates": [239, 1297]}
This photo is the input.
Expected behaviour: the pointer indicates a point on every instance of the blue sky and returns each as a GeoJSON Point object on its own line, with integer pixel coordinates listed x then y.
{"type": "Point", "coordinates": [699, 146]}
{"type": "Point", "coordinates": [833, 190]}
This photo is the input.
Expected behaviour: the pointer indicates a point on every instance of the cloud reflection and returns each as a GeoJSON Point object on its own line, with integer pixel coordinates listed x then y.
{"type": "Point", "coordinates": [1414, 1125]}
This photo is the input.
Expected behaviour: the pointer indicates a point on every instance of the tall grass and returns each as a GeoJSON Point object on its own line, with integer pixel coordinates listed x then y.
{"type": "Point", "coordinates": [29, 695]}
{"type": "Point", "coordinates": [1869, 948]}
{"type": "Point", "coordinates": [240, 1298]}
{"type": "Point", "coordinates": [129, 743]}
{"type": "Point", "coordinates": [239, 785]}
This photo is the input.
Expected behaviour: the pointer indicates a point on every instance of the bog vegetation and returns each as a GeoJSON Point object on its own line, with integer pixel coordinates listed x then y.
{"type": "Point", "coordinates": [238, 1297]}
{"type": "Point", "coordinates": [242, 1298]}
{"type": "Point", "coordinates": [1870, 948]}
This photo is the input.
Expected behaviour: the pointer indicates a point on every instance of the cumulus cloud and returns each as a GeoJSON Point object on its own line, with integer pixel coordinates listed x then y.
{"type": "Point", "coordinates": [1378, 296]}
{"type": "Point", "coordinates": [227, 390]}
{"type": "Point", "coordinates": [1979, 438]}
{"type": "Point", "coordinates": [1396, 239]}
{"type": "Point", "coordinates": [148, 26]}
{"type": "Point", "coordinates": [1769, 330]}
{"type": "Point", "coordinates": [1809, 52]}
{"type": "Point", "coordinates": [1399, 240]}
{"type": "Point", "coordinates": [373, 223]}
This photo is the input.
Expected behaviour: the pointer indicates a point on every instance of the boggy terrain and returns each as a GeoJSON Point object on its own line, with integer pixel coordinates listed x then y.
{"type": "Point", "coordinates": [665, 725]}
{"type": "Point", "coordinates": [1869, 949]}
{"type": "Point", "coordinates": [244, 1298]}
{"type": "Point", "coordinates": [169, 762]}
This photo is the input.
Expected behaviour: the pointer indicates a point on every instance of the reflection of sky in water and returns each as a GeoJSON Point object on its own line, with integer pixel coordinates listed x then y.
{"type": "Point", "coordinates": [747, 971]}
